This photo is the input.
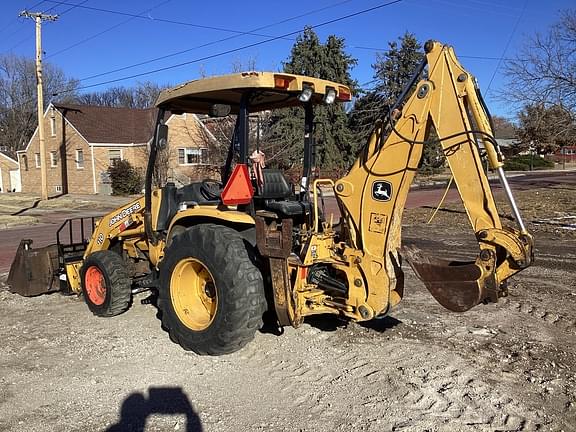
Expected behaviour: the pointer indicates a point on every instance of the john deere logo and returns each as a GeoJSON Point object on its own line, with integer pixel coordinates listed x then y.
{"type": "Point", "coordinates": [381, 190]}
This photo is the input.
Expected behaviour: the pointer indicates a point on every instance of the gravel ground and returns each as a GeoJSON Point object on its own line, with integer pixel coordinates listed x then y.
{"type": "Point", "coordinates": [509, 366]}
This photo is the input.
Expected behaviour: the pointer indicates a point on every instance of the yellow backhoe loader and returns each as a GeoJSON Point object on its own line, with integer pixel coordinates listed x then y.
{"type": "Point", "coordinates": [220, 254]}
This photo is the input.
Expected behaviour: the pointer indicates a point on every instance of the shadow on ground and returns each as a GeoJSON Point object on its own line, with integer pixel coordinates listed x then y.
{"type": "Point", "coordinates": [330, 323]}
{"type": "Point", "coordinates": [381, 324]}
{"type": "Point", "coordinates": [136, 409]}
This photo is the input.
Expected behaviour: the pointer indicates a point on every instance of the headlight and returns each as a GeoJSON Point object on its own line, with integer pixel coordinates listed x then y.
{"type": "Point", "coordinates": [330, 96]}
{"type": "Point", "coordinates": [306, 94]}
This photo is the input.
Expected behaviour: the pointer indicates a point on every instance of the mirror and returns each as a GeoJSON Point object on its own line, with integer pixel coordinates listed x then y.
{"type": "Point", "coordinates": [162, 137]}
{"type": "Point", "coordinates": [219, 110]}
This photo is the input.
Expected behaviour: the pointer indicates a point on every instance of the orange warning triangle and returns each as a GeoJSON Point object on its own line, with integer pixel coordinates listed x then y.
{"type": "Point", "coordinates": [238, 189]}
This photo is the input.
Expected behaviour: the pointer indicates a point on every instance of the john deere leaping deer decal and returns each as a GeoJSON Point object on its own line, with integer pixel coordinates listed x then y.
{"type": "Point", "coordinates": [381, 190]}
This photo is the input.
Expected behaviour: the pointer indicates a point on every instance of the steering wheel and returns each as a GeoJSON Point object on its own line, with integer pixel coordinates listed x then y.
{"type": "Point", "coordinates": [211, 189]}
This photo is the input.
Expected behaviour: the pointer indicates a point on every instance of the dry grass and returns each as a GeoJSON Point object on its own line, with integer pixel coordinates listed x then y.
{"type": "Point", "coordinates": [535, 205]}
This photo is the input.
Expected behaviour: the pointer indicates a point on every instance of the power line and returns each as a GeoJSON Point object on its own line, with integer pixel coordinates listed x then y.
{"type": "Point", "coordinates": [332, 21]}
{"type": "Point", "coordinates": [459, 56]}
{"type": "Point", "coordinates": [106, 30]}
{"type": "Point", "coordinates": [17, 20]}
{"type": "Point", "coordinates": [163, 20]}
{"type": "Point", "coordinates": [150, 19]}
{"type": "Point", "coordinates": [507, 45]}
{"type": "Point", "coordinates": [73, 6]}
{"type": "Point", "coordinates": [142, 63]}
{"type": "Point", "coordinates": [471, 7]}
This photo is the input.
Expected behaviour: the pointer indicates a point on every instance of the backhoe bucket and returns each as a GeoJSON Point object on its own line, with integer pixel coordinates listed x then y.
{"type": "Point", "coordinates": [456, 285]}
{"type": "Point", "coordinates": [33, 270]}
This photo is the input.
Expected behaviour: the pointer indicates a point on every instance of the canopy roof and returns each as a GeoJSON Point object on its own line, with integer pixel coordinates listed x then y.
{"type": "Point", "coordinates": [268, 90]}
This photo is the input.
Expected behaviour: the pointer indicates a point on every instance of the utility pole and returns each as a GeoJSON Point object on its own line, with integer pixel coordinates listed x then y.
{"type": "Point", "coordinates": [38, 17]}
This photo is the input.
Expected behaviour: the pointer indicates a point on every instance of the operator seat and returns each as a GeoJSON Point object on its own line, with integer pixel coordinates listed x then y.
{"type": "Point", "coordinates": [278, 195]}
{"type": "Point", "coordinates": [204, 192]}
{"type": "Point", "coordinates": [168, 207]}
{"type": "Point", "coordinates": [275, 186]}
{"type": "Point", "coordinates": [207, 191]}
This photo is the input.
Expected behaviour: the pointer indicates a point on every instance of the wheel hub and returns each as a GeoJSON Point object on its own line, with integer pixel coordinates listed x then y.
{"type": "Point", "coordinates": [193, 294]}
{"type": "Point", "coordinates": [95, 285]}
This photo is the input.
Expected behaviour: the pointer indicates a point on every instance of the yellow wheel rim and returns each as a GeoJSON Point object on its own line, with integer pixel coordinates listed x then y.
{"type": "Point", "coordinates": [193, 294]}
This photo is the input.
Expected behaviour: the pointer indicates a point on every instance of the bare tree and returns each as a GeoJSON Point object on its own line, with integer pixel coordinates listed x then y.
{"type": "Point", "coordinates": [239, 66]}
{"type": "Point", "coordinates": [217, 133]}
{"type": "Point", "coordinates": [504, 128]}
{"type": "Point", "coordinates": [544, 71]}
{"type": "Point", "coordinates": [18, 97]}
{"type": "Point", "coordinates": [143, 95]}
{"type": "Point", "coordinates": [546, 129]}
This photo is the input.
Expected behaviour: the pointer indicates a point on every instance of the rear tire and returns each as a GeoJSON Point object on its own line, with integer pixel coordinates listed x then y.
{"type": "Point", "coordinates": [211, 296]}
{"type": "Point", "coordinates": [174, 232]}
{"type": "Point", "coordinates": [106, 284]}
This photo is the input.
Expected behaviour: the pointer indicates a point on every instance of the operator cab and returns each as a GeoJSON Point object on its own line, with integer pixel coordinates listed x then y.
{"type": "Point", "coordinates": [245, 182]}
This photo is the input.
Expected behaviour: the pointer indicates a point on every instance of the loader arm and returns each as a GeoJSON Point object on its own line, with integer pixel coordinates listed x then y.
{"type": "Point", "coordinates": [373, 194]}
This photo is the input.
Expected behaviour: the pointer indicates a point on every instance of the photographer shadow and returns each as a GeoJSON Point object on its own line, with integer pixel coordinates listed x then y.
{"type": "Point", "coordinates": [136, 409]}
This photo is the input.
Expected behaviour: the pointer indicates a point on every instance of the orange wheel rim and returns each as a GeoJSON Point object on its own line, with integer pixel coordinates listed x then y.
{"type": "Point", "coordinates": [95, 285]}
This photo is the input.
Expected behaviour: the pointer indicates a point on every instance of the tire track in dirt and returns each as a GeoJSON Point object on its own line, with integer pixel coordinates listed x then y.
{"type": "Point", "coordinates": [413, 396]}
{"type": "Point", "coordinates": [560, 321]}
{"type": "Point", "coordinates": [460, 399]}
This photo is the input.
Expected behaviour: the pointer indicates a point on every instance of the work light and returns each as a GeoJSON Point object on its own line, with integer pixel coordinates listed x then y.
{"type": "Point", "coordinates": [330, 96]}
{"type": "Point", "coordinates": [306, 94]}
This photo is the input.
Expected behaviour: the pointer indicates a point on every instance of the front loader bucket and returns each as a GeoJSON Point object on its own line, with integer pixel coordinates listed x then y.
{"type": "Point", "coordinates": [458, 286]}
{"type": "Point", "coordinates": [33, 270]}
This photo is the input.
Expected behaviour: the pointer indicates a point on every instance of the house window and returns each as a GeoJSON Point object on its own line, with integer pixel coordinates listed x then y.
{"type": "Point", "coordinates": [53, 159]}
{"type": "Point", "coordinates": [192, 155]}
{"type": "Point", "coordinates": [52, 126]}
{"type": "Point", "coordinates": [25, 162]}
{"type": "Point", "coordinates": [79, 159]}
{"type": "Point", "coordinates": [114, 154]}
{"type": "Point", "coordinates": [37, 159]}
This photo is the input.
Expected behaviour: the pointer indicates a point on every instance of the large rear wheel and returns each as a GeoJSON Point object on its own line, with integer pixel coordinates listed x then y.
{"type": "Point", "coordinates": [106, 284]}
{"type": "Point", "coordinates": [211, 295]}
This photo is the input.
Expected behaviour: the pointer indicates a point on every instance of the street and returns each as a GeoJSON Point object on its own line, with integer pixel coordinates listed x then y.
{"type": "Point", "coordinates": [44, 233]}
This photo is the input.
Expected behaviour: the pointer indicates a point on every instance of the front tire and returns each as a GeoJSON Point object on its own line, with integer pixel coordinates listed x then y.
{"type": "Point", "coordinates": [211, 296]}
{"type": "Point", "coordinates": [106, 284]}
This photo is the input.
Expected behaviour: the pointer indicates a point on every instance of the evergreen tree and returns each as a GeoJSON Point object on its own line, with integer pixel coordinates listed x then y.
{"type": "Point", "coordinates": [285, 138]}
{"type": "Point", "coordinates": [393, 70]}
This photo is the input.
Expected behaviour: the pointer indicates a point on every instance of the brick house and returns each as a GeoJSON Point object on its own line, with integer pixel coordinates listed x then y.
{"type": "Point", "coordinates": [82, 141]}
{"type": "Point", "coordinates": [9, 175]}
{"type": "Point", "coordinates": [192, 151]}
{"type": "Point", "coordinates": [565, 154]}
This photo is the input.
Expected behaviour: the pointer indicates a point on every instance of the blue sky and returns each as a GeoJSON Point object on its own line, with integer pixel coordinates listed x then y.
{"type": "Point", "coordinates": [85, 42]}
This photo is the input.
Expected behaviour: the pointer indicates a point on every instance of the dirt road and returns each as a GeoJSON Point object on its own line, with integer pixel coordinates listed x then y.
{"type": "Point", "coordinates": [509, 366]}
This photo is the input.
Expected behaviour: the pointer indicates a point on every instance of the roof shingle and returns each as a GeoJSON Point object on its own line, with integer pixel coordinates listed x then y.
{"type": "Point", "coordinates": [99, 124]}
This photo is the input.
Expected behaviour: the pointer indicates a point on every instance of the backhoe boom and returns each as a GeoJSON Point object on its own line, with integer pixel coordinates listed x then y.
{"type": "Point", "coordinates": [373, 194]}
